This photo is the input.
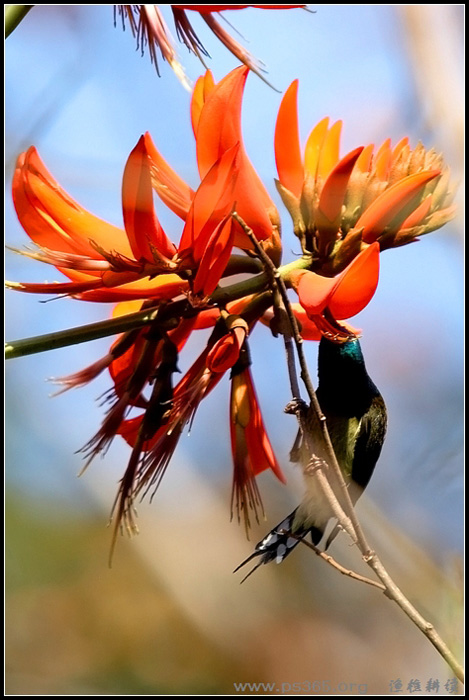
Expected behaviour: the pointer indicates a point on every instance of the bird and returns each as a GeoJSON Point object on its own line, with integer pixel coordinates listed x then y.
{"type": "Point", "coordinates": [356, 420]}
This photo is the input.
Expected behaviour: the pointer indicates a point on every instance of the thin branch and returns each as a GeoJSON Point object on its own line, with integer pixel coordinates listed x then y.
{"type": "Point", "coordinates": [344, 511]}
{"type": "Point", "coordinates": [394, 593]}
{"type": "Point", "coordinates": [335, 564]}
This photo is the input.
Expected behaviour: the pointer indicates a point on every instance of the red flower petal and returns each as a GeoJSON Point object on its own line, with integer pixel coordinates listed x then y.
{"type": "Point", "coordinates": [52, 219]}
{"type": "Point", "coordinates": [357, 284]}
{"type": "Point", "coordinates": [384, 208]}
{"type": "Point", "coordinates": [202, 89]}
{"type": "Point", "coordinates": [219, 129]}
{"type": "Point", "coordinates": [344, 295]}
{"type": "Point", "coordinates": [287, 143]}
{"type": "Point", "coordinates": [333, 193]}
{"type": "Point", "coordinates": [141, 224]}
{"type": "Point", "coordinates": [315, 291]}
{"type": "Point", "coordinates": [213, 200]}
{"type": "Point", "coordinates": [225, 352]}
{"type": "Point", "coordinates": [171, 189]}
{"type": "Point", "coordinates": [214, 258]}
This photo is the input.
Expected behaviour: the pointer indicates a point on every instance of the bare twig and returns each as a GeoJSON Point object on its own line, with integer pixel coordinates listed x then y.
{"type": "Point", "coordinates": [343, 510]}
{"type": "Point", "coordinates": [335, 564]}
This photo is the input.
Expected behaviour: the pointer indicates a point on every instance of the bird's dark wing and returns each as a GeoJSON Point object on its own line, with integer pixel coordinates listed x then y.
{"type": "Point", "coordinates": [369, 442]}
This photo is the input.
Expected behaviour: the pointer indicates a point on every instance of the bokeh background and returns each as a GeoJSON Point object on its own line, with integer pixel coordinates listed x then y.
{"type": "Point", "coordinates": [169, 617]}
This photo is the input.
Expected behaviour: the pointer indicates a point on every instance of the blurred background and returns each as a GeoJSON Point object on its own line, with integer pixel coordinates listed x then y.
{"type": "Point", "coordinates": [169, 617]}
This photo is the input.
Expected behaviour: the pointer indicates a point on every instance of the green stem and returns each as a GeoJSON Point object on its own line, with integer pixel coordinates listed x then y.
{"type": "Point", "coordinates": [102, 329]}
{"type": "Point", "coordinates": [13, 16]}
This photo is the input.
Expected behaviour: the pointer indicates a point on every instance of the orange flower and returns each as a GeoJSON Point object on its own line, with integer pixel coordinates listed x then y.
{"type": "Point", "coordinates": [344, 210]}
{"type": "Point", "coordinates": [327, 299]}
{"type": "Point", "coordinates": [339, 204]}
{"type": "Point", "coordinates": [216, 121]}
{"type": "Point", "coordinates": [251, 448]}
{"type": "Point", "coordinates": [139, 262]}
{"type": "Point", "coordinates": [148, 25]}
{"type": "Point", "coordinates": [155, 448]}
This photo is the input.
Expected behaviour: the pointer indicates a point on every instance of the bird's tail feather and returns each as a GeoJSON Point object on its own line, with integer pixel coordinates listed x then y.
{"type": "Point", "coordinates": [280, 541]}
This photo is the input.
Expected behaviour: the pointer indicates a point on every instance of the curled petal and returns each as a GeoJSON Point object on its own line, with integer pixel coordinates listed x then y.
{"type": "Point", "coordinates": [287, 143]}
{"type": "Point", "coordinates": [52, 219]}
{"type": "Point", "coordinates": [334, 189]}
{"type": "Point", "coordinates": [344, 295]}
{"type": "Point", "coordinates": [315, 291]}
{"type": "Point", "coordinates": [214, 258]}
{"type": "Point", "coordinates": [329, 154]}
{"type": "Point", "coordinates": [141, 224]}
{"type": "Point", "coordinates": [419, 214]}
{"type": "Point", "coordinates": [382, 161]}
{"type": "Point", "coordinates": [225, 352]}
{"type": "Point", "coordinates": [213, 200]}
{"type": "Point", "coordinates": [219, 126]}
{"type": "Point", "coordinates": [384, 208]}
{"type": "Point", "coordinates": [357, 284]}
{"type": "Point", "coordinates": [219, 129]}
{"type": "Point", "coordinates": [308, 329]}
{"type": "Point", "coordinates": [171, 189]}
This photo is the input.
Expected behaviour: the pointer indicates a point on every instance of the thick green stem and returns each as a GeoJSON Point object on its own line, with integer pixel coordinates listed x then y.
{"type": "Point", "coordinates": [13, 16]}
{"type": "Point", "coordinates": [102, 329]}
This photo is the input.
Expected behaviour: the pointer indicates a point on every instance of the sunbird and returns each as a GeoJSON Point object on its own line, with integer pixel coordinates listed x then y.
{"type": "Point", "coordinates": [356, 419]}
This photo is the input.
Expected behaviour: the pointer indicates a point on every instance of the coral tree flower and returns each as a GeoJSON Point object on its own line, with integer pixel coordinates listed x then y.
{"type": "Point", "coordinates": [105, 263]}
{"type": "Point", "coordinates": [327, 299]}
{"type": "Point", "coordinates": [216, 123]}
{"type": "Point", "coordinates": [148, 26]}
{"type": "Point", "coordinates": [341, 205]}
{"type": "Point", "coordinates": [252, 452]}
{"type": "Point", "coordinates": [251, 448]}
{"type": "Point", "coordinates": [345, 212]}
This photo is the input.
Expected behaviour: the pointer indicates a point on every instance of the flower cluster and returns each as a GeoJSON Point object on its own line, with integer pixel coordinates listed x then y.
{"type": "Point", "coordinates": [344, 211]}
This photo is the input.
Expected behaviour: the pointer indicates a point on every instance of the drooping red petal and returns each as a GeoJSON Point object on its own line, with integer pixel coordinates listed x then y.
{"type": "Point", "coordinates": [171, 189]}
{"type": "Point", "coordinates": [260, 450]}
{"type": "Point", "coordinates": [141, 224]}
{"type": "Point", "coordinates": [52, 219]}
{"type": "Point", "coordinates": [390, 202]}
{"type": "Point", "coordinates": [161, 287]}
{"type": "Point", "coordinates": [225, 352]}
{"type": "Point", "coordinates": [357, 284]}
{"type": "Point", "coordinates": [287, 143]}
{"type": "Point", "coordinates": [315, 291]}
{"type": "Point", "coordinates": [214, 258]}
{"type": "Point", "coordinates": [213, 200]}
